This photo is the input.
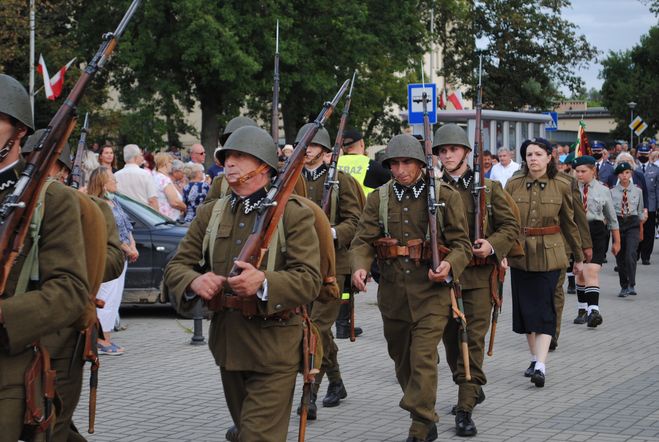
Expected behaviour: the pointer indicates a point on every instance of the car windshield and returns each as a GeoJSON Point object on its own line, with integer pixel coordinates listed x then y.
{"type": "Point", "coordinates": [146, 213]}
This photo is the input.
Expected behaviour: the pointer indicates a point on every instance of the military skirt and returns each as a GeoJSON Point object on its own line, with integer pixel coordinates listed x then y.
{"type": "Point", "coordinates": [533, 301]}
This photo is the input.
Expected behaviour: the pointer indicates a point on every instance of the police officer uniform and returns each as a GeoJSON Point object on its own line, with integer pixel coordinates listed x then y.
{"type": "Point", "coordinates": [414, 309]}
{"type": "Point", "coordinates": [255, 340]}
{"type": "Point", "coordinates": [651, 173]}
{"type": "Point", "coordinates": [501, 231]}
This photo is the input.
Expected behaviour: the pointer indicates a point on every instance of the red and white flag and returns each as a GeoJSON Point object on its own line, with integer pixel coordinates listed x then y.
{"type": "Point", "coordinates": [442, 99]}
{"type": "Point", "coordinates": [456, 99]}
{"type": "Point", "coordinates": [52, 86]}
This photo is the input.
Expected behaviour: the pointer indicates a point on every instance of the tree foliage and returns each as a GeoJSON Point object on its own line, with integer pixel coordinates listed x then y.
{"type": "Point", "coordinates": [528, 48]}
{"type": "Point", "coordinates": [631, 76]}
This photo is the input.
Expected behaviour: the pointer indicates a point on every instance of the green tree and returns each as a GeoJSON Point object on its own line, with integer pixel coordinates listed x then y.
{"type": "Point", "coordinates": [528, 48]}
{"type": "Point", "coordinates": [632, 76]}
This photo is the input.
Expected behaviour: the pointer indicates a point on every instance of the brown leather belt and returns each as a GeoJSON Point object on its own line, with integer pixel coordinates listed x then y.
{"type": "Point", "coordinates": [477, 262]}
{"type": "Point", "coordinates": [248, 306]}
{"type": "Point", "coordinates": [541, 231]}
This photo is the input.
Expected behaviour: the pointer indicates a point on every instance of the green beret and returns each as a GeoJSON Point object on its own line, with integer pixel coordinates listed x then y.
{"type": "Point", "coordinates": [585, 160]}
{"type": "Point", "coordinates": [620, 168]}
{"type": "Point", "coordinates": [569, 159]}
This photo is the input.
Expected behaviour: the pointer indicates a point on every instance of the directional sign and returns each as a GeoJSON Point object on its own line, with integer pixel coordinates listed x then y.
{"type": "Point", "coordinates": [638, 126]}
{"type": "Point", "coordinates": [415, 102]}
{"type": "Point", "coordinates": [553, 124]}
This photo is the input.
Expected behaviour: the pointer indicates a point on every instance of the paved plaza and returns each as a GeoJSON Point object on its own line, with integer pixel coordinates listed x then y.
{"type": "Point", "coordinates": [602, 384]}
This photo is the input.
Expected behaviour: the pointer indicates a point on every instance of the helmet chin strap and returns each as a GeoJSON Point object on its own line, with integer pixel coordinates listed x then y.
{"type": "Point", "coordinates": [4, 151]}
{"type": "Point", "coordinates": [450, 171]}
{"type": "Point", "coordinates": [248, 176]}
{"type": "Point", "coordinates": [316, 157]}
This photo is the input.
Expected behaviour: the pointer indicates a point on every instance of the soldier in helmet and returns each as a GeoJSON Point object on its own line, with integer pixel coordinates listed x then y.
{"type": "Point", "coordinates": [34, 311]}
{"type": "Point", "coordinates": [413, 298]}
{"type": "Point", "coordinates": [348, 205]}
{"type": "Point", "coordinates": [255, 336]}
{"type": "Point", "coordinates": [500, 230]}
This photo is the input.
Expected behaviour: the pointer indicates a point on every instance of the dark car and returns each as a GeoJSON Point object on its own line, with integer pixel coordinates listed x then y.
{"type": "Point", "coordinates": [156, 237]}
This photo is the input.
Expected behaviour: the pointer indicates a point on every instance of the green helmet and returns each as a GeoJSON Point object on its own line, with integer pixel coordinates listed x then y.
{"type": "Point", "coordinates": [15, 102]}
{"type": "Point", "coordinates": [235, 124]}
{"type": "Point", "coordinates": [450, 134]}
{"type": "Point", "coordinates": [322, 137]}
{"type": "Point", "coordinates": [33, 140]}
{"type": "Point", "coordinates": [403, 146]}
{"type": "Point", "coordinates": [254, 141]}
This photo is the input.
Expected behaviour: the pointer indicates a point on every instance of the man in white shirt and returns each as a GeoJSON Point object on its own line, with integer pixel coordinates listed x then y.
{"type": "Point", "coordinates": [505, 168]}
{"type": "Point", "coordinates": [134, 182]}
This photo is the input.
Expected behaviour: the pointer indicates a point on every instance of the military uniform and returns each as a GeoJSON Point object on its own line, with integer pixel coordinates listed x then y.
{"type": "Point", "coordinates": [258, 355]}
{"type": "Point", "coordinates": [414, 309]}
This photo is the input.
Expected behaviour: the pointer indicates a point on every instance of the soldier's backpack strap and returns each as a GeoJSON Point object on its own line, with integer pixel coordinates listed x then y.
{"type": "Point", "coordinates": [334, 203]}
{"type": "Point", "coordinates": [278, 241]}
{"type": "Point", "coordinates": [383, 213]}
{"type": "Point", "coordinates": [211, 231]}
{"type": "Point", "coordinates": [224, 186]}
{"type": "Point", "coordinates": [30, 269]}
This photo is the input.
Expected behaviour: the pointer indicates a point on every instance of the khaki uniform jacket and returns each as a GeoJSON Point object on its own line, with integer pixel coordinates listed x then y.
{"type": "Point", "coordinates": [255, 344]}
{"type": "Point", "coordinates": [542, 203]}
{"type": "Point", "coordinates": [60, 297]}
{"type": "Point", "coordinates": [405, 292]}
{"type": "Point", "coordinates": [501, 229]}
{"type": "Point", "coordinates": [349, 210]}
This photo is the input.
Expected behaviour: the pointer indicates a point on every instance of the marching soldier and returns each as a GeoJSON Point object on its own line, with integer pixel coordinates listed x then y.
{"type": "Point", "coordinates": [32, 311]}
{"type": "Point", "coordinates": [348, 207]}
{"type": "Point", "coordinates": [414, 300]}
{"type": "Point", "coordinates": [501, 229]}
{"type": "Point", "coordinates": [255, 335]}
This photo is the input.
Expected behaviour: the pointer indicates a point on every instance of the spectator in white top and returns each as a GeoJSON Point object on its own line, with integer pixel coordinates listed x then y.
{"type": "Point", "coordinates": [169, 199]}
{"type": "Point", "coordinates": [505, 168]}
{"type": "Point", "coordinates": [135, 182]}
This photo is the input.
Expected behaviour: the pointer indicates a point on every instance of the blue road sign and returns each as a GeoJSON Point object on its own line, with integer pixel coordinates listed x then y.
{"type": "Point", "coordinates": [553, 124]}
{"type": "Point", "coordinates": [415, 102]}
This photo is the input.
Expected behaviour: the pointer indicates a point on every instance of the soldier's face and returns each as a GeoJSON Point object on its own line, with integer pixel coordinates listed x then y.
{"type": "Point", "coordinates": [405, 170]}
{"type": "Point", "coordinates": [537, 159]}
{"type": "Point", "coordinates": [6, 132]}
{"type": "Point", "coordinates": [585, 174]}
{"type": "Point", "coordinates": [237, 164]}
{"type": "Point", "coordinates": [450, 155]}
{"type": "Point", "coordinates": [314, 155]}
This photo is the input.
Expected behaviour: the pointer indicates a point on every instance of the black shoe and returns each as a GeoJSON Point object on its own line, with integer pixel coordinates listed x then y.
{"type": "Point", "coordinates": [615, 269]}
{"type": "Point", "coordinates": [571, 290]}
{"type": "Point", "coordinates": [582, 317]}
{"type": "Point", "coordinates": [432, 436]}
{"type": "Point", "coordinates": [464, 426]}
{"type": "Point", "coordinates": [631, 291]}
{"type": "Point", "coordinates": [646, 262]}
{"type": "Point", "coordinates": [481, 398]}
{"type": "Point", "coordinates": [529, 371]}
{"type": "Point", "coordinates": [553, 345]}
{"type": "Point", "coordinates": [624, 292]}
{"type": "Point", "coordinates": [335, 392]}
{"type": "Point", "coordinates": [232, 434]}
{"type": "Point", "coordinates": [594, 319]}
{"type": "Point", "coordinates": [312, 412]}
{"type": "Point", "coordinates": [343, 331]}
{"type": "Point", "coordinates": [538, 378]}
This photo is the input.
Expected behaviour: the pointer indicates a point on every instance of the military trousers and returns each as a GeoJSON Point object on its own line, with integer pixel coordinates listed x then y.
{"type": "Point", "coordinates": [478, 311]}
{"type": "Point", "coordinates": [324, 316]}
{"type": "Point", "coordinates": [559, 301]}
{"type": "Point", "coordinates": [413, 348]}
{"type": "Point", "coordinates": [69, 368]}
{"type": "Point", "coordinates": [260, 403]}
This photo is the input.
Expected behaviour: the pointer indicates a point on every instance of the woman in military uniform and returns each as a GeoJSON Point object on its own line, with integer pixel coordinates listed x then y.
{"type": "Point", "coordinates": [601, 219]}
{"type": "Point", "coordinates": [545, 201]}
{"type": "Point", "coordinates": [413, 299]}
{"type": "Point", "coordinates": [255, 335]}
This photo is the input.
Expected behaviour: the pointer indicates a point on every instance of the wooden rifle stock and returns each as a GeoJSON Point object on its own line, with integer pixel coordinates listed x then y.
{"type": "Point", "coordinates": [309, 346]}
{"type": "Point", "coordinates": [17, 208]}
{"type": "Point", "coordinates": [76, 173]}
{"type": "Point", "coordinates": [274, 128]}
{"type": "Point", "coordinates": [330, 179]}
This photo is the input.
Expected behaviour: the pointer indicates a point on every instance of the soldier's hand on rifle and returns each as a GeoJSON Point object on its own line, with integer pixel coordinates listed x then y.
{"type": "Point", "coordinates": [248, 282]}
{"type": "Point", "coordinates": [207, 285]}
{"type": "Point", "coordinates": [484, 250]}
{"type": "Point", "coordinates": [588, 254]}
{"type": "Point", "coordinates": [359, 280]}
{"type": "Point", "coordinates": [441, 272]}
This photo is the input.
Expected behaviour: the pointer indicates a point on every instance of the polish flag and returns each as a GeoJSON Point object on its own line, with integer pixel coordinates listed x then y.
{"type": "Point", "coordinates": [53, 86]}
{"type": "Point", "coordinates": [456, 99]}
{"type": "Point", "coordinates": [442, 99]}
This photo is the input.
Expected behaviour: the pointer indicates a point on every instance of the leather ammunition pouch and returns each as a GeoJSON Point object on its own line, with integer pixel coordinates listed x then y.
{"type": "Point", "coordinates": [247, 306]}
{"type": "Point", "coordinates": [329, 291]}
{"type": "Point", "coordinates": [417, 250]}
{"type": "Point", "coordinates": [39, 394]}
{"type": "Point", "coordinates": [427, 251]}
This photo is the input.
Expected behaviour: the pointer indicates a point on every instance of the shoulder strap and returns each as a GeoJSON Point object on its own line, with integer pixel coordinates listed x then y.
{"type": "Point", "coordinates": [30, 269]}
{"type": "Point", "coordinates": [384, 208]}
{"type": "Point", "coordinates": [211, 231]}
{"type": "Point", "coordinates": [278, 241]}
{"type": "Point", "coordinates": [224, 186]}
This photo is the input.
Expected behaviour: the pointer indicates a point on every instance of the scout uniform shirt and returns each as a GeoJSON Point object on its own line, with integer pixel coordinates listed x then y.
{"type": "Point", "coordinates": [405, 292]}
{"type": "Point", "coordinates": [348, 210]}
{"type": "Point", "coordinates": [634, 204]}
{"type": "Point", "coordinates": [238, 342]}
{"type": "Point", "coordinates": [599, 205]}
{"type": "Point", "coordinates": [542, 203]}
{"type": "Point", "coordinates": [501, 228]}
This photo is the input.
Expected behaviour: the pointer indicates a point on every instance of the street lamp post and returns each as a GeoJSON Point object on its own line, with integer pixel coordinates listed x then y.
{"type": "Point", "coordinates": [631, 105]}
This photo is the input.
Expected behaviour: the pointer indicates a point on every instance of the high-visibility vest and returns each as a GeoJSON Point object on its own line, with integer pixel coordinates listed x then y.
{"type": "Point", "coordinates": [356, 166]}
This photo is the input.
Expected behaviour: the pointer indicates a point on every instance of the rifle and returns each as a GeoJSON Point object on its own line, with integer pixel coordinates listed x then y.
{"type": "Point", "coordinates": [456, 294]}
{"type": "Point", "coordinates": [274, 128]}
{"type": "Point", "coordinates": [76, 174]}
{"type": "Point", "coordinates": [331, 182]}
{"type": "Point", "coordinates": [309, 372]}
{"type": "Point", "coordinates": [17, 208]}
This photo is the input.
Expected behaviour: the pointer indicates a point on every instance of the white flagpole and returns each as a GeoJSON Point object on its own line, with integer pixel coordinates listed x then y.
{"type": "Point", "coordinates": [32, 29]}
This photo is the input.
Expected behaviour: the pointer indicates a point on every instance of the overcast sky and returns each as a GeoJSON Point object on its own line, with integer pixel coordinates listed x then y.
{"type": "Point", "coordinates": [610, 25]}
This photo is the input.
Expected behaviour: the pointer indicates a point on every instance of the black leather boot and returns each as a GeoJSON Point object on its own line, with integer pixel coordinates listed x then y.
{"type": "Point", "coordinates": [232, 434]}
{"type": "Point", "coordinates": [335, 392]}
{"type": "Point", "coordinates": [464, 426]}
{"type": "Point", "coordinates": [312, 412]}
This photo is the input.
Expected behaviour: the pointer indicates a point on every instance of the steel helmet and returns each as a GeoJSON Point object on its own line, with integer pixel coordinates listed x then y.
{"type": "Point", "coordinates": [403, 146]}
{"type": "Point", "coordinates": [450, 134]}
{"type": "Point", "coordinates": [33, 140]}
{"type": "Point", "coordinates": [322, 137]}
{"type": "Point", "coordinates": [254, 141]}
{"type": "Point", "coordinates": [235, 124]}
{"type": "Point", "coordinates": [15, 102]}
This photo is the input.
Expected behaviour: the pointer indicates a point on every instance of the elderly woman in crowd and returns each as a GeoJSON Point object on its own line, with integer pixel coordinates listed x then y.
{"type": "Point", "coordinates": [195, 191]}
{"type": "Point", "coordinates": [545, 202]}
{"type": "Point", "coordinates": [178, 175]}
{"type": "Point", "coordinates": [169, 199]}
